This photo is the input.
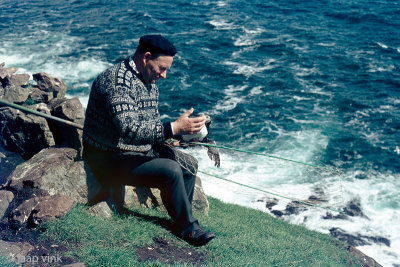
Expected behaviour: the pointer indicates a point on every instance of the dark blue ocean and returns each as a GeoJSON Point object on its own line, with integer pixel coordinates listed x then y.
{"type": "Point", "coordinates": [314, 81]}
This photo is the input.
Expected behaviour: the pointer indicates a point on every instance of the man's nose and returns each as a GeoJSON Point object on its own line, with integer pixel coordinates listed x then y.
{"type": "Point", "coordinates": [163, 74]}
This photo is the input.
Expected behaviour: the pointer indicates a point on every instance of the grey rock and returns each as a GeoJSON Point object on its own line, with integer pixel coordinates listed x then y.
{"type": "Point", "coordinates": [70, 110]}
{"type": "Point", "coordinates": [102, 209]}
{"type": "Point", "coordinates": [55, 171]}
{"type": "Point", "coordinates": [40, 96]}
{"type": "Point", "coordinates": [17, 79]}
{"type": "Point", "coordinates": [357, 239]}
{"type": "Point", "coordinates": [353, 208]}
{"type": "Point", "coordinates": [15, 251]}
{"type": "Point", "coordinates": [16, 94]}
{"type": "Point", "coordinates": [8, 161]}
{"type": "Point", "coordinates": [42, 107]}
{"type": "Point", "coordinates": [41, 209]}
{"type": "Point", "coordinates": [362, 258]}
{"type": "Point", "coordinates": [5, 199]}
{"type": "Point", "coordinates": [47, 83]}
{"type": "Point", "coordinates": [24, 134]}
{"type": "Point", "coordinates": [7, 72]}
{"type": "Point", "coordinates": [271, 202]}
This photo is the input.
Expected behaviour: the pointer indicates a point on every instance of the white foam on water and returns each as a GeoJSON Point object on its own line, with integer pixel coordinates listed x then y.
{"type": "Point", "coordinates": [232, 98]}
{"type": "Point", "coordinates": [222, 24]}
{"type": "Point", "coordinates": [249, 70]}
{"type": "Point", "coordinates": [43, 51]}
{"type": "Point", "coordinates": [382, 45]}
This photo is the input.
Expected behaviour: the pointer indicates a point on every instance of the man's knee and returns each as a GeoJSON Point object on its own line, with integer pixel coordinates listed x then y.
{"type": "Point", "coordinates": [172, 170]}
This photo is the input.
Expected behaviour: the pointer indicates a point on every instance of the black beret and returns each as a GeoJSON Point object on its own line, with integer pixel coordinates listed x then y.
{"type": "Point", "coordinates": [155, 43]}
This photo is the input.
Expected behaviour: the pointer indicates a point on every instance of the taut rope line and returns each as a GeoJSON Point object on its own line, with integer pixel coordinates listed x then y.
{"type": "Point", "coordinates": [269, 156]}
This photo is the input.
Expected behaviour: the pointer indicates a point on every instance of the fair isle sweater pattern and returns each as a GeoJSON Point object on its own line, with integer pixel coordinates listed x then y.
{"type": "Point", "coordinates": [122, 112]}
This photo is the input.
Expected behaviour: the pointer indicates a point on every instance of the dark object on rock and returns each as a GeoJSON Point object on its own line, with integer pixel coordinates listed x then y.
{"type": "Point", "coordinates": [358, 240]}
{"type": "Point", "coordinates": [24, 134]}
{"type": "Point", "coordinates": [50, 84]}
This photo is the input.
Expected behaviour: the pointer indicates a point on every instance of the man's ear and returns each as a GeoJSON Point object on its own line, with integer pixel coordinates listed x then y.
{"type": "Point", "coordinates": [146, 57]}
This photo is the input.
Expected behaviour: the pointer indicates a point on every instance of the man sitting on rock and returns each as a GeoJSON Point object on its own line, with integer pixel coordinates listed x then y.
{"type": "Point", "coordinates": [123, 130]}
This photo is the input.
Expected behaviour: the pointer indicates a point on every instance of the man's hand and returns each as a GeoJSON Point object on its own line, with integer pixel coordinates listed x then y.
{"type": "Point", "coordinates": [186, 125]}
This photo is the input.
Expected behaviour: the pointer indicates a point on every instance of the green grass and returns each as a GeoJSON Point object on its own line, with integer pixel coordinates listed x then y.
{"type": "Point", "coordinates": [245, 237]}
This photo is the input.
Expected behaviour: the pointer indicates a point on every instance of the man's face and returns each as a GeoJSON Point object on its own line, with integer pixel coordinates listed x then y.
{"type": "Point", "coordinates": [156, 68]}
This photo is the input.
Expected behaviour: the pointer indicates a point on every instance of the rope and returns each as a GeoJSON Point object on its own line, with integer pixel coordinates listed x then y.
{"type": "Point", "coordinates": [269, 156]}
{"type": "Point", "coordinates": [41, 114]}
{"type": "Point", "coordinates": [271, 193]}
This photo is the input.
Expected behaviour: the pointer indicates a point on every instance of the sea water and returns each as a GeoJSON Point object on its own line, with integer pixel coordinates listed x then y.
{"type": "Point", "coordinates": [312, 81]}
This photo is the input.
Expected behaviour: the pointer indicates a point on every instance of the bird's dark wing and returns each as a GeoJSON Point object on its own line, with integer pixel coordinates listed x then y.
{"type": "Point", "coordinates": [212, 152]}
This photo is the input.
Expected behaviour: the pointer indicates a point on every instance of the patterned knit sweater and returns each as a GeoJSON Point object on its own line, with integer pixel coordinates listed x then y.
{"type": "Point", "coordinates": [122, 112]}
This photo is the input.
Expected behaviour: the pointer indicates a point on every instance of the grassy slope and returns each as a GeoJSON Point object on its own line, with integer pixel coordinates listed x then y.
{"type": "Point", "coordinates": [245, 237]}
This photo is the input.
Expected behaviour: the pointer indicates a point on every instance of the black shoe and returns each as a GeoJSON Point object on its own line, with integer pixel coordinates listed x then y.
{"type": "Point", "coordinates": [198, 237]}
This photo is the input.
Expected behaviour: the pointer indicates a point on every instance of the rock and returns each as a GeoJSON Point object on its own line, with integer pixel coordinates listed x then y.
{"type": "Point", "coordinates": [42, 107]}
{"type": "Point", "coordinates": [5, 199]}
{"type": "Point", "coordinates": [102, 209]}
{"type": "Point", "coordinates": [50, 84]}
{"type": "Point", "coordinates": [40, 96]}
{"type": "Point", "coordinates": [277, 213]}
{"type": "Point", "coordinates": [17, 80]}
{"type": "Point", "coordinates": [22, 133]}
{"type": "Point", "coordinates": [7, 72]}
{"type": "Point", "coordinates": [353, 208]}
{"type": "Point", "coordinates": [362, 258]}
{"type": "Point", "coordinates": [55, 171]}
{"type": "Point", "coordinates": [14, 93]}
{"type": "Point", "coordinates": [271, 203]}
{"type": "Point", "coordinates": [15, 251]}
{"type": "Point", "coordinates": [41, 209]}
{"type": "Point", "coordinates": [8, 161]}
{"type": "Point", "coordinates": [144, 197]}
{"type": "Point", "coordinates": [358, 240]}
{"type": "Point", "coordinates": [294, 208]}
{"type": "Point", "coordinates": [71, 110]}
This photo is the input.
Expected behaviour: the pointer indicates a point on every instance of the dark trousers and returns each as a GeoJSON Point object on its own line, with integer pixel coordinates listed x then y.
{"type": "Point", "coordinates": [154, 170]}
